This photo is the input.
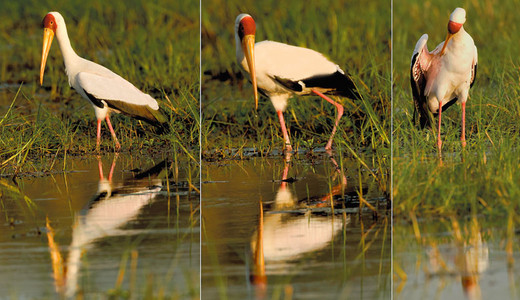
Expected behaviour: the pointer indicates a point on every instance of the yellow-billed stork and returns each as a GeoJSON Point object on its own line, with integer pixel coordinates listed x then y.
{"type": "Point", "coordinates": [280, 71]}
{"type": "Point", "coordinates": [106, 91]}
{"type": "Point", "coordinates": [444, 76]}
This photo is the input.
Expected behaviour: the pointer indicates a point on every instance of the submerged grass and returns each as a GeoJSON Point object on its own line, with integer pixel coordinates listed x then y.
{"type": "Point", "coordinates": [333, 28]}
{"type": "Point", "coordinates": [153, 44]}
{"type": "Point", "coordinates": [481, 180]}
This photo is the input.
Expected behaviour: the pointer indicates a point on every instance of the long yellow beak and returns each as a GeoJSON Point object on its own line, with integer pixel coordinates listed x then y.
{"type": "Point", "coordinates": [448, 37]}
{"type": "Point", "coordinates": [248, 46]}
{"type": "Point", "coordinates": [48, 35]}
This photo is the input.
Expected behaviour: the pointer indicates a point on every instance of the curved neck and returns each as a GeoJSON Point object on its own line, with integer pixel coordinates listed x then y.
{"type": "Point", "coordinates": [69, 56]}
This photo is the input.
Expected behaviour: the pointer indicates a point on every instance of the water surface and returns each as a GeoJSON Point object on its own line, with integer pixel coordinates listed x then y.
{"type": "Point", "coordinates": [463, 257]}
{"type": "Point", "coordinates": [118, 225]}
{"type": "Point", "coordinates": [266, 237]}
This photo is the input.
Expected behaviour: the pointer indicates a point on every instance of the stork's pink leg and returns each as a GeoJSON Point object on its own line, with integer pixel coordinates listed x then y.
{"type": "Point", "coordinates": [439, 142]}
{"type": "Point", "coordinates": [463, 136]}
{"type": "Point", "coordinates": [288, 146]}
{"type": "Point", "coordinates": [339, 108]}
{"type": "Point", "coordinates": [118, 146]}
{"type": "Point", "coordinates": [98, 137]}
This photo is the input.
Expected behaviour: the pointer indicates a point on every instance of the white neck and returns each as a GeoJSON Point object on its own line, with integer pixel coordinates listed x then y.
{"type": "Point", "coordinates": [70, 57]}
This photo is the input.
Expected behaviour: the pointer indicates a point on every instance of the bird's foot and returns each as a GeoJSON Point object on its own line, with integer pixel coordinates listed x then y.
{"type": "Point", "coordinates": [463, 143]}
{"type": "Point", "coordinates": [288, 148]}
{"type": "Point", "coordinates": [328, 147]}
{"type": "Point", "coordinates": [117, 147]}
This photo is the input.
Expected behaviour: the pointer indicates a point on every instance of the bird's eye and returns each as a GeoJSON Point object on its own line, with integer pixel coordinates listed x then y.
{"type": "Point", "coordinates": [52, 22]}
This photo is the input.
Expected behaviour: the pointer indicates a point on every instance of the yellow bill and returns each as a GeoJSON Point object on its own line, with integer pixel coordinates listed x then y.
{"type": "Point", "coordinates": [48, 35]}
{"type": "Point", "coordinates": [248, 46]}
{"type": "Point", "coordinates": [448, 37]}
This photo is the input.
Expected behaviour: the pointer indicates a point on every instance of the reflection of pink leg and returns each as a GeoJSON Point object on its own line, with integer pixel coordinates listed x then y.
{"type": "Point", "coordinates": [439, 142]}
{"type": "Point", "coordinates": [112, 168]}
{"type": "Point", "coordinates": [338, 169]}
{"type": "Point", "coordinates": [100, 167]}
{"type": "Point", "coordinates": [463, 136]}
{"type": "Point", "coordinates": [288, 146]}
{"type": "Point", "coordinates": [339, 108]}
{"type": "Point", "coordinates": [284, 175]}
{"type": "Point", "coordinates": [98, 137]}
{"type": "Point", "coordinates": [118, 146]}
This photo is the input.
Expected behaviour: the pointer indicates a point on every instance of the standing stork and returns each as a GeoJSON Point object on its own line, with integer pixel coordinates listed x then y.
{"type": "Point", "coordinates": [106, 91]}
{"type": "Point", "coordinates": [280, 71]}
{"type": "Point", "coordinates": [444, 76]}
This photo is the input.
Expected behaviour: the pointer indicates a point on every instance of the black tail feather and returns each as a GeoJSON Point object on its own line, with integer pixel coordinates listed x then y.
{"type": "Point", "coordinates": [339, 83]}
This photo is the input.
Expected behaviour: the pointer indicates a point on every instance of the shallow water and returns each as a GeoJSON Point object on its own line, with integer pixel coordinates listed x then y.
{"type": "Point", "coordinates": [459, 258]}
{"type": "Point", "coordinates": [92, 233]}
{"type": "Point", "coordinates": [264, 237]}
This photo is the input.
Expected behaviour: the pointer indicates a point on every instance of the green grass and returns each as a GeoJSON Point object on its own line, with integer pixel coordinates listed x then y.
{"type": "Point", "coordinates": [488, 168]}
{"type": "Point", "coordinates": [481, 180]}
{"type": "Point", "coordinates": [153, 44]}
{"type": "Point", "coordinates": [354, 35]}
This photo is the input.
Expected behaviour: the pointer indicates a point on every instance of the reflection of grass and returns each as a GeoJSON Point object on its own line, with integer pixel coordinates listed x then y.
{"type": "Point", "coordinates": [152, 44]}
{"type": "Point", "coordinates": [332, 28]}
{"type": "Point", "coordinates": [482, 180]}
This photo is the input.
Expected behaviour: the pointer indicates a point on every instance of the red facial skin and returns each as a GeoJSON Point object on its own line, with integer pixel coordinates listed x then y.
{"type": "Point", "coordinates": [49, 22]}
{"type": "Point", "coordinates": [454, 27]}
{"type": "Point", "coordinates": [247, 27]}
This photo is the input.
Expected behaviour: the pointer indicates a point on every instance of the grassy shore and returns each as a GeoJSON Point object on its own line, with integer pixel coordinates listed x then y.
{"type": "Point", "coordinates": [153, 44]}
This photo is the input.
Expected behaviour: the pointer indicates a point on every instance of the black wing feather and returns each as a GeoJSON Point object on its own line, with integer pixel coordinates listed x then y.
{"type": "Point", "coordinates": [336, 84]}
{"type": "Point", "coordinates": [420, 102]}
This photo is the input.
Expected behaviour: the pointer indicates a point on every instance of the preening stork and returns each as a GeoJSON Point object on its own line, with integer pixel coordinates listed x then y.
{"type": "Point", "coordinates": [280, 71]}
{"type": "Point", "coordinates": [444, 76]}
{"type": "Point", "coordinates": [106, 91]}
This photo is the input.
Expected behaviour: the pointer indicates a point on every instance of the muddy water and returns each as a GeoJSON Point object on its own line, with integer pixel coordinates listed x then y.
{"type": "Point", "coordinates": [104, 227]}
{"type": "Point", "coordinates": [456, 258]}
{"type": "Point", "coordinates": [265, 238]}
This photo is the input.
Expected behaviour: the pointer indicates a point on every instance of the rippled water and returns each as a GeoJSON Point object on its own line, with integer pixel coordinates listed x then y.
{"type": "Point", "coordinates": [108, 226]}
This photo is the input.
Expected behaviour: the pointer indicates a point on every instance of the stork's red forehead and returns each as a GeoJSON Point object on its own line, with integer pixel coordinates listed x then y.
{"type": "Point", "coordinates": [49, 22]}
{"type": "Point", "coordinates": [454, 27]}
{"type": "Point", "coordinates": [248, 25]}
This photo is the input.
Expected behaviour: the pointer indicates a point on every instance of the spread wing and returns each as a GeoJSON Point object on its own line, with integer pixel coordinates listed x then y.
{"type": "Point", "coordinates": [420, 60]}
